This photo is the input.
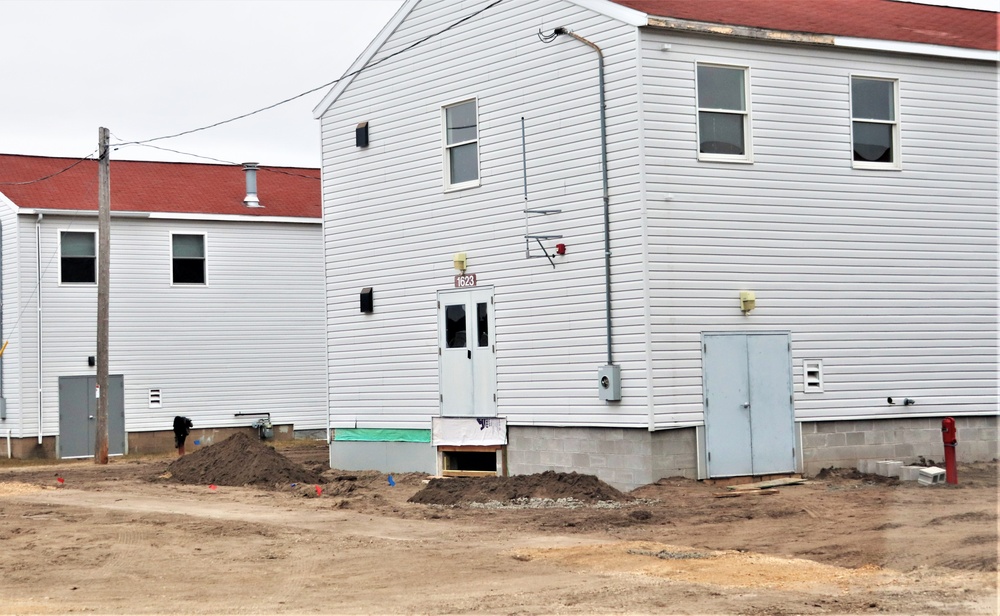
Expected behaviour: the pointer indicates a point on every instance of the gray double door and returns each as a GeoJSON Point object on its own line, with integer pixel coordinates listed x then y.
{"type": "Point", "coordinates": [749, 414]}
{"type": "Point", "coordinates": [78, 415]}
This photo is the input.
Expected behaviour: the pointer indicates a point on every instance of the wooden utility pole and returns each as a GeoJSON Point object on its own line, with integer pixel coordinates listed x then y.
{"type": "Point", "coordinates": [103, 268]}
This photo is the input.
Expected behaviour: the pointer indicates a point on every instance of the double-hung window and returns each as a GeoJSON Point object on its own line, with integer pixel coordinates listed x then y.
{"type": "Point", "coordinates": [875, 123]}
{"type": "Point", "coordinates": [188, 257]}
{"type": "Point", "coordinates": [461, 145]}
{"type": "Point", "coordinates": [78, 257]}
{"type": "Point", "coordinates": [723, 113]}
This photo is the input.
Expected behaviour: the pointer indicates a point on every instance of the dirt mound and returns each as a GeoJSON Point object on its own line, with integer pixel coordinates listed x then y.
{"type": "Point", "coordinates": [240, 461]}
{"type": "Point", "coordinates": [548, 485]}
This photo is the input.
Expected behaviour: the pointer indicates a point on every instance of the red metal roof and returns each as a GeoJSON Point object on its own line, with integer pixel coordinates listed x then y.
{"type": "Point", "coordinates": [870, 19]}
{"type": "Point", "coordinates": [176, 188]}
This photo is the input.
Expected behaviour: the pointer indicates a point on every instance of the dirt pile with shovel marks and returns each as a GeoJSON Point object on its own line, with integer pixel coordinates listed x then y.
{"type": "Point", "coordinates": [240, 460]}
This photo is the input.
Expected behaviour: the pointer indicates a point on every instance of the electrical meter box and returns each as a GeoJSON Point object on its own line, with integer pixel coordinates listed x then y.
{"type": "Point", "coordinates": [609, 383]}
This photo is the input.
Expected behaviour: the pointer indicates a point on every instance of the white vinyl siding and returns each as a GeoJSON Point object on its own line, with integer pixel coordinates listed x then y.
{"type": "Point", "coordinates": [550, 334]}
{"type": "Point", "coordinates": [252, 342]}
{"type": "Point", "coordinates": [888, 278]}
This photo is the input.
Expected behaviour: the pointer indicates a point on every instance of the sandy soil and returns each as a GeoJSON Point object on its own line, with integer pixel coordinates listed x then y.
{"type": "Point", "coordinates": [125, 539]}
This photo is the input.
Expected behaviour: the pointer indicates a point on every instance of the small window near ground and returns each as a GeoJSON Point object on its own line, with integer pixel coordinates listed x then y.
{"type": "Point", "coordinates": [78, 257]}
{"type": "Point", "coordinates": [461, 145]}
{"type": "Point", "coordinates": [723, 113]}
{"type": "Point", "coordinates": [155, 399]}
{"type": "Point", "coordinates": [874, 123]}
{"type": "Point", "coordinates": [812, 376]}
{"type": "Point", "coordinates": [188, 255]}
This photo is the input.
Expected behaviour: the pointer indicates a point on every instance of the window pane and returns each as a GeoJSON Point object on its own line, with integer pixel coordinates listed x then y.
{"type": "Point", "coordinates": [79, 269]}
{"type": "Point", "coordinates": [454, 327]}
{"type": "Point", "coordinates": [872, 99]}
{"type": "Point", "coordinates": [78, 244]}
{"type": "Point", "coordinates": [721, 88]}
{"type": "Point", "coordinates": [461, 122]}
{"type": "Point", "coordinates": [189, 271]}
{"type": "Point", "coordinates": [873, 142]}
{"type": "Point", "coordinates": [483, 325]}
{"type": "Point", "coordinates": [189, 246]}
{"type": "Point", "coordinates": [463, 163]}
{"type": "Point", "coordinates": [721, 133]}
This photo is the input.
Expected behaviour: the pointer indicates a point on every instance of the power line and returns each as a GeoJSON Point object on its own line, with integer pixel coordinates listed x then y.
{"type": "Point", "coordinates": [52, 175]}
{"type": "Point", "coordinates": [326, 85]}
{"type": "Point", "coordinates": [226, 162]}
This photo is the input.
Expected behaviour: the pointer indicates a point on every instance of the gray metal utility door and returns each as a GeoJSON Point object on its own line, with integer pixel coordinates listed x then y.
{"type": "Point", "coordinates": [749, 415]}
{"type": "Point", "coordinates": [78, 415]}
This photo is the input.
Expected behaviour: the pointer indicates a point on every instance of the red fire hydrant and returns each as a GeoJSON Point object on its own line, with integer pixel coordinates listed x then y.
{"type": "Point", "coordinates": [950, 436]}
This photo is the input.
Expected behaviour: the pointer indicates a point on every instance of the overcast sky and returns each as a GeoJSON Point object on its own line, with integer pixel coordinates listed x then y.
{"type": "Point", "coordinates": [147, 68]}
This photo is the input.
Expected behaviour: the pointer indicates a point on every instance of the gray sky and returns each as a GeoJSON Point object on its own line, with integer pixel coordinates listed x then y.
{"type": "Point", "coordinates": [146, 68]}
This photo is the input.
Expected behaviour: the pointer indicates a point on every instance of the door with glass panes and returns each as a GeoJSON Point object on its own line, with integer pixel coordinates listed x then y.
{"type": "Point", "coordinates": [467, 366]}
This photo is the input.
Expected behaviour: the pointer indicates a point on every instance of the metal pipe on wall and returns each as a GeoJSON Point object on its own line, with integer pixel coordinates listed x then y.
{"type": "Point", "coordinates": [604, 183]}
{"type": "Point", "coordinates": [38, 301]}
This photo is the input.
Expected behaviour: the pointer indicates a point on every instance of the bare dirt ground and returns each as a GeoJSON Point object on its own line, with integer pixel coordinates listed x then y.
{"type": "Point", "coordinates": [131, 538]}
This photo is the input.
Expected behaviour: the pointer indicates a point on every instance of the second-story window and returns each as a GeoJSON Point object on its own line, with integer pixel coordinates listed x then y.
{"type": "Point", "coordinates": [874, 123]}
{"type": "Point", "coordinates": [77, 257]}
{"type": "Point", "coordinates": [461, 145]}
{"type": "Point", "coordinates": [188, 256]}
{"type": "Point", "coordinates": [723, 113]}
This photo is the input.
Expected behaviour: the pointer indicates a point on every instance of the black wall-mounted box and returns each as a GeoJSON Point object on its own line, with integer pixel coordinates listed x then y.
{"type": "Point", "coordinates": [367, 300]}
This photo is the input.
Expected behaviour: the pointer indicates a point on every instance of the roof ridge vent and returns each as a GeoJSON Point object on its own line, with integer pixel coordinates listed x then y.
{"type": "Point", "coordinates": [251, 199]}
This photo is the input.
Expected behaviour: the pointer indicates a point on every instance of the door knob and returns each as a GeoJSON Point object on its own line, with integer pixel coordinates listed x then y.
{"type": "Point", "coordinates": [746, 405]}
{"type": "Point", "coordinates": [90, 417]}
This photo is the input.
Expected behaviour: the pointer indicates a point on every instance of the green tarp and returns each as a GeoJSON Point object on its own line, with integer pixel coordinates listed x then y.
{"type": "Point", "coordinates": [379, 435]}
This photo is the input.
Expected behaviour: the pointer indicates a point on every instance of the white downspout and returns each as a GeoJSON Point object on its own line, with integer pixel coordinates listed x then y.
{"type": "Point", "coordinates": [38, 300]}
{"type": "Point", "coordinates": [10, 453]}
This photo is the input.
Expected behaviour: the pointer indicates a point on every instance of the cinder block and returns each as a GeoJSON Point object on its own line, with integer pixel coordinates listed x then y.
{"type": "Point", "coordinates": [855, 438]}
{"type": "Point", "coordinates": [826, 427]}
{"type": "Point", "coordinates": [931, 475]}
{"type": "Point", "coordinates": [836, 439]}
{"type": "Point", "coordinates": [888, 468]}
{"type": "Point", "coordinates": [868, 466]}
{"type": "Point", "coordinates": [909, 473]}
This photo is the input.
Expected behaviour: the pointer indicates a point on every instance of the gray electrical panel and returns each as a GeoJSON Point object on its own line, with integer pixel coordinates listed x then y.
{"type": "Point", "coordinates": [609, 383]}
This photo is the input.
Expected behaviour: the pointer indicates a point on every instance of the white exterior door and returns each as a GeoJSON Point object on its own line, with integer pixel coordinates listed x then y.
{"type": "Point", "coordinates": [467, 365]}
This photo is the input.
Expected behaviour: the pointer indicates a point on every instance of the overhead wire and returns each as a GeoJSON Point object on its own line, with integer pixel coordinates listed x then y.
{"type": "Point", "coordinates": [317, 88]}
{"type": "Point", "coordinates": [51, 175]}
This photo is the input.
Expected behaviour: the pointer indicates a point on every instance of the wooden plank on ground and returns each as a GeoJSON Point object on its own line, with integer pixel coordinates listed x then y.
{"type": "Point", "coordinates": [774, 483]}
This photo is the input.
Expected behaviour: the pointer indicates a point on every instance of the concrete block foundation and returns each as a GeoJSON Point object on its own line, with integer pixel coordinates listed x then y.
{"type": "Point", "coordinates": [908, 440]}
{"type": "Point", "coordinates": [623, 458]}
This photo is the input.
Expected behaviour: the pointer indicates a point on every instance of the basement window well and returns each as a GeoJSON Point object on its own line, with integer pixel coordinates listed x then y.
{"type": "Point", "coordinates": [470, 461]}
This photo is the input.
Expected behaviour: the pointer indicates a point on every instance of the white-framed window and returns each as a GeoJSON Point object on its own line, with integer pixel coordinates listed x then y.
{"type": "Point", "coordinates": [187, 256]}
{"type": "Point", "coordinates": [723, 113]}
{"type": "Point", "coordinates": [461, 145]}
{"type": "Point", "coordinates": [77, 257]}
{"type": "Point", "coordinates": [875, 123]}
{"type": "Point", "coordinates": [812, 376]}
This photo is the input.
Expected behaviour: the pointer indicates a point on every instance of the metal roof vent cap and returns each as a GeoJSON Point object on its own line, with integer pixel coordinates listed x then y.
{"type": "Point", "coordinates": [251, 199]}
